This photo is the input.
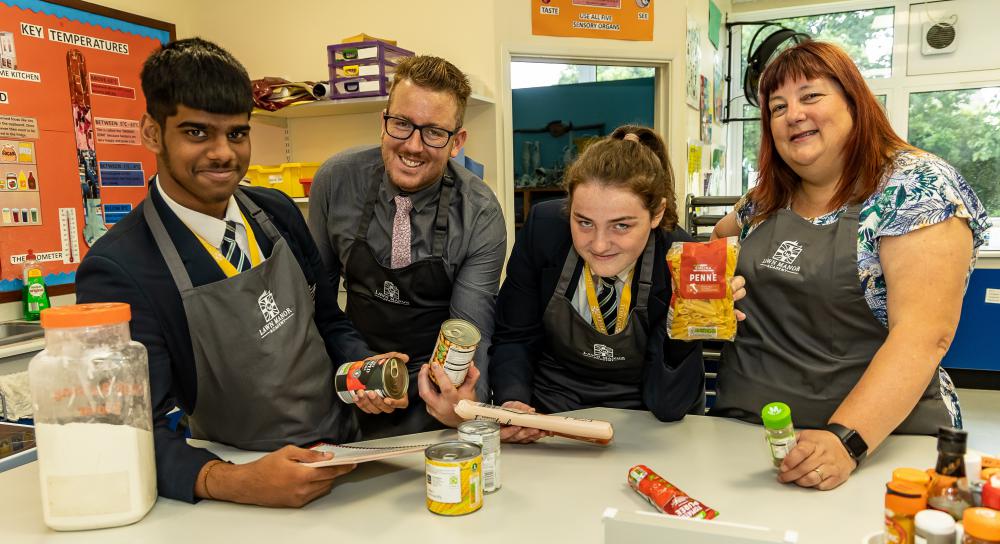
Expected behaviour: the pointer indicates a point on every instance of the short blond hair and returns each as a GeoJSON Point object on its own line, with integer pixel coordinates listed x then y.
{"type": "Point", "coordinates": [436, 74]}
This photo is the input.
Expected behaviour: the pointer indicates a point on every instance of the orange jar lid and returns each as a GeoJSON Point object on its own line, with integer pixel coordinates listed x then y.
{"type": "Point", "coordinates": [982, 523]}
{"type": "Point", "coordinates": [911, 475]}
{"type": "Point", "coordinates": [905, 498]}
{"type": "Point", "coordinates": [86, 315]}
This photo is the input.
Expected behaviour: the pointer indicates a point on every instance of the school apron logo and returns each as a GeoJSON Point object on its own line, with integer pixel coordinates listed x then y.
{"type": "Point", "coordinates": [390, 293]}
{"type": "Point", "coordinates": [603, 353]}
{"type": "Point", "coordinates": [273, 317]}
{"type": "Point", "coordinates": [784, 258]}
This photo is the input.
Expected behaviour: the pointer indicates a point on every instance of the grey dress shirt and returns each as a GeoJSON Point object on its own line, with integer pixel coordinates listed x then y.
{"type": "Point", "coordinates": [474, 249]}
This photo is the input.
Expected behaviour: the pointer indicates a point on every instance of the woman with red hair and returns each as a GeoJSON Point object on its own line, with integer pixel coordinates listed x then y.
{"type": "Point", "coordinates": [856, 249]}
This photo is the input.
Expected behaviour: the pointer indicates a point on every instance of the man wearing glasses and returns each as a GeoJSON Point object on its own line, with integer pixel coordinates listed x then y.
{"type": "Point", "coordinates": [418, 239]}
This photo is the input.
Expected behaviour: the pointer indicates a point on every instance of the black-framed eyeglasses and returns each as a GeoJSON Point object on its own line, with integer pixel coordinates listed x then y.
{"type": "Point", "coordinates": [432, 136]}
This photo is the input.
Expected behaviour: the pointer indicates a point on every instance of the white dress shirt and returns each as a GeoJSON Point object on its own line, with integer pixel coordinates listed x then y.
{"type": "Point", "coordinates": [212, 229]}
{"type": "Point", "coordinates": [580, 303]}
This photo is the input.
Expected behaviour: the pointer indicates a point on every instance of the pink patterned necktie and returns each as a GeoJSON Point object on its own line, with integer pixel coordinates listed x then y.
{"type": "Point", "coordinates": [401, 232]}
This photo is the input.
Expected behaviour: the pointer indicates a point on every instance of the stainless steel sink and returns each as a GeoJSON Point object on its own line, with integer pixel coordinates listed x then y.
{"type": "Point", "coordinates": [12, 332]}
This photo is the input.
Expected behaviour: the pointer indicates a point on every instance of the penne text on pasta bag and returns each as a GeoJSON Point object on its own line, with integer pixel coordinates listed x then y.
{"type": "Point", "coordinates": [701, 306]}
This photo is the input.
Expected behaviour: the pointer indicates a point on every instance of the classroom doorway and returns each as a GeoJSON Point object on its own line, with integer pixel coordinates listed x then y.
{"type": "Point", "coordinates": [559, 107]}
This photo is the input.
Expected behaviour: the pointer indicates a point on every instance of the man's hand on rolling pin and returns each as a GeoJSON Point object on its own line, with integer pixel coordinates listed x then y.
{"type": "Point", "coordinates": [442, 398]}
{"type": "Point", "coordinates": [370, 403]}
{"type": "Point", "coordinates": [277, 479]}
{"type": "Point", "coordinates": [520, 435]}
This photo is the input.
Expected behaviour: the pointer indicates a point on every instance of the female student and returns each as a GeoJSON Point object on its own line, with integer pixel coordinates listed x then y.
{"type": "Point", "coordinates": [580, 319]}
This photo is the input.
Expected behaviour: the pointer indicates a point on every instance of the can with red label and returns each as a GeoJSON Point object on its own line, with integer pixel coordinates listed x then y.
{"type": "Point", "coordinates": [386, 377]}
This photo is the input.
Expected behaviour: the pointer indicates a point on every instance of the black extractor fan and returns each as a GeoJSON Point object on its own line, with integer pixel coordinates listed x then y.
{"type": "Point", "coordinates": [759, 56]}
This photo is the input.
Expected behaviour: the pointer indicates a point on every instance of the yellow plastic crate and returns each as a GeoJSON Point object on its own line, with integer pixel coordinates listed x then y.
{"type": "Point", "coordinates": [284, 177]}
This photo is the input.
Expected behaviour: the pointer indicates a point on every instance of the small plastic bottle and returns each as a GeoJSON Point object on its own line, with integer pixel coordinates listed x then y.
{"type": "Point", "coordinates": [912, 475]}
{"type": "Point", "coordinates": [34, 297]}
{"type": "Point", "coordinates": [972, 485]}
{"type": "Point", "coordinates": [991, 493]}
{"type": "Point", "coordinates": [777, 418]}
{"type": "Point", "coordinates": [945, 494]}
{"type": "Point", "coordinates": [934, 527]}
{"type": "Point", "coordinates": [982, 526]}
{"type": "Point", "coordinates": [902, 502]}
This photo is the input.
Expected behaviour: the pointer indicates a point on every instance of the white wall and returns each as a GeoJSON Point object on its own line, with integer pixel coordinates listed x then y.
{"type": "Point", "coordinates": [975, 38]}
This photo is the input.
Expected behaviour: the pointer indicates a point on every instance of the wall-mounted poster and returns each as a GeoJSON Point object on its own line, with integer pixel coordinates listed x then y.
{"type": "Point", "coordinates": [718, 92]}
{"type": "Point", "coordinates": [718, 171]}
{"type": "Point", "coordinates": [694, 166]}
{"type": "Point", "coordinates": [69, 129]}
{"type": "Point", "coordinates": [692, 63]}
{"type": "Point", "coordinates": [610, 19]}
{"type": "Point", "coordinates": [705, 108]}
{"type": "Point", "coordinates": [714, 23]}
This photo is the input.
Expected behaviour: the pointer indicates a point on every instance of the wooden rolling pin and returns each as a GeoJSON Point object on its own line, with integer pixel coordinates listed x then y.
{"type": "Point", "coordinates": [588, 430]}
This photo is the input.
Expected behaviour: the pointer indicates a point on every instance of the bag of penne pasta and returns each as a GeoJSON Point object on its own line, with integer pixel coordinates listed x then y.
{"type": "Point", "coordinates": [701, 306]}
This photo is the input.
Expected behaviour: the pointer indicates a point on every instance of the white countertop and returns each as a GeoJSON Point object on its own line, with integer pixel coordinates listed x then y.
{"type": "Point", "coordinates": [554, 491]}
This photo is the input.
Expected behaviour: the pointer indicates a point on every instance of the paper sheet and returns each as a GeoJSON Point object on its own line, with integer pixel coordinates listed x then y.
{"type": "Point", "coordinates": [341, 455]}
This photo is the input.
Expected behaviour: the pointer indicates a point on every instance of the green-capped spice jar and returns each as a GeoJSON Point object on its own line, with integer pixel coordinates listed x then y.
{"type": "Point", "coordinates": [777, 417]}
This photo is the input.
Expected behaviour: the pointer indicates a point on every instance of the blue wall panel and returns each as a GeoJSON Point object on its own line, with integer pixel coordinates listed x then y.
{"type": "Point", "coordinates": [977, 342]}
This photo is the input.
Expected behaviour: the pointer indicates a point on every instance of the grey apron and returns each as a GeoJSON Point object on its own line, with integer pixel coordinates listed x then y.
{"type": "Point", "coordinates": [582, 367]}
{"type": "Point", "coordinates": [400, 309]}
{"type": "Point", "coordinates": [265, 379]}
{"type": "Point", "coordinates": [809, 333]}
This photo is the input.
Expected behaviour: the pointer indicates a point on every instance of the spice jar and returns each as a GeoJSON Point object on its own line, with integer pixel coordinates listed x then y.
{"type": "Point", "coordinates": [902, 502]}
{"type": "Point", "coordinates": [934, 527]}
{"type": "Point", "coordinates": [777, 418]}
{"type": "Point", "coordinates": [982, 526]}
{"type": "Point", "coordinates": [911, 475]}
{"type": "Point", "coordinates": [944, 493]}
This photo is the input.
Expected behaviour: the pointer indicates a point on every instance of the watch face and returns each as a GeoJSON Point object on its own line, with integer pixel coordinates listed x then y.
{"type": "Point", "coordinates": [855, 444]}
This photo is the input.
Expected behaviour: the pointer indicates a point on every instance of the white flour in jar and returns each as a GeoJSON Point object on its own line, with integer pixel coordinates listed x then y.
{"type": "Point", "coordinates": [95, 474]}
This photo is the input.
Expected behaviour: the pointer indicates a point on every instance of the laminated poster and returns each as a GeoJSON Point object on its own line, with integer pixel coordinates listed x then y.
{"type": "Point", "coordinates": [610, 19]}
{"type": "Point", "coordinates": [70, 156]}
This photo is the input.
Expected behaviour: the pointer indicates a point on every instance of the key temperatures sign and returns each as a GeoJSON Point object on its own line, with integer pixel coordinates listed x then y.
{"type": "Point", "coordinates": [611, 19]}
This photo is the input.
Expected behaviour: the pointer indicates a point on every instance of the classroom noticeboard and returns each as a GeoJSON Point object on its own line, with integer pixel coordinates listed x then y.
{"type": "Point", "coordinates": [611, 19]}
{"type": "Point", "coordinates": [71, 160]}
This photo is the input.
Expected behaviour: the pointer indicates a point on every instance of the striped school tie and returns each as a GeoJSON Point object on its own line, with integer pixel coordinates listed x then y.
{"type": "Point", "coordinates": [607, 299]}
{"type": "Point", "coordinates": [231, 250]}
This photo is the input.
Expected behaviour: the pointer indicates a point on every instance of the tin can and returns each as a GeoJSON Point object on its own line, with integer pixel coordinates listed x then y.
{"type": "Point", "coordinates": [386, 377]}
{"type": "Point", "coordinates": [454, 478]}
{"type": "Point", "coordinates": [455, 348]}
{"type": "Point", "coordinates": [487, 435]}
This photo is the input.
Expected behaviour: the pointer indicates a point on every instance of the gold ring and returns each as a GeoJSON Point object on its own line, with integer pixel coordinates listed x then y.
{"type": "Point", "coordinates": [819, 473]}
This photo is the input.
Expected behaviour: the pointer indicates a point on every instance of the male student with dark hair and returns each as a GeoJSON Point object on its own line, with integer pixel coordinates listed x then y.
{"type": "Point", "coordinates": [228, 294]}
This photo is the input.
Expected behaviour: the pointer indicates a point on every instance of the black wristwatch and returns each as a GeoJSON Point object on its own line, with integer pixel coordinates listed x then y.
{"type": "Point", "coordinates": [856, 446]}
